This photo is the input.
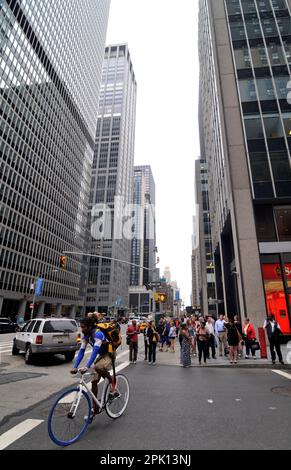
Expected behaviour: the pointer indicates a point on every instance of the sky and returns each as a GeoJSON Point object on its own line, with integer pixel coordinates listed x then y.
{"type": "Point", "coordinates": [162, 36]}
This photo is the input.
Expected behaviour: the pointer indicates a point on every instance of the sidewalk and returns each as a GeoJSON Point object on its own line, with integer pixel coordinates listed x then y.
{"type": "Point", "coordinates": [173, 359]}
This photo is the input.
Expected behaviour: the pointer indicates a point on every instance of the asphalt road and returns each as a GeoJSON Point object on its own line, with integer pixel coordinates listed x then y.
{"type": "Point", "coordinates": [172, 408]}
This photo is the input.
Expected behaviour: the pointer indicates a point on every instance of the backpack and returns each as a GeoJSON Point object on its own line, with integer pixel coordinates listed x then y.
{"type": "Point", "coordinates": [112, 334]}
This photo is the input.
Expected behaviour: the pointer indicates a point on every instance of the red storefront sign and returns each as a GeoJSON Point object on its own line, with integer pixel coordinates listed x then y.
{"type": "Point", "coordinates": [271, 272]}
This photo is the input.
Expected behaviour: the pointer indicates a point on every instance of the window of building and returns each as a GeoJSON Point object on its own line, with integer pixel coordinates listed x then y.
{"type": "Point", "coordinates": [281, 172]}
{"type": "Point", "coordinates": [247, 90]}
{"type": "Point", "coordinates": [265, 224]}
{"type": "Point", "coordinates": [273, 127]}
{"type": "Point", "coordinates": [254, 128]}
{"type": "Point", "coordinates": [265, 89]}
{"type": "Point", "coordinates": [242, 58]}
{"type": "Point", "coordinates": [283, 223]}
{"type": "Point", "coordinates": [261, 175]}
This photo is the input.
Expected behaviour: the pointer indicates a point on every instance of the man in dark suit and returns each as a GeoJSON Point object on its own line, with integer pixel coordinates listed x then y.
{"type": "Point", "coordinates": [274, 332]}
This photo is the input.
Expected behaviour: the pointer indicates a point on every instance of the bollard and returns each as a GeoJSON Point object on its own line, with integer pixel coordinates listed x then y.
{"type": "Point", "coordinates": [263, 343]}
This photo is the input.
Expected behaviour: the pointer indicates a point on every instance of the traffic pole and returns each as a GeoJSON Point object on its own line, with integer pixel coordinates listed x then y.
{"type": "Point", "coordinates": [263, 343]}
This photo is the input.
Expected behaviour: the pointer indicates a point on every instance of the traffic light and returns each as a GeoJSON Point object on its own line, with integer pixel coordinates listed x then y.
{"type": "Point", "coordinates": [163, 298]}
{"type": "Point", "coordinates": [63, 262]}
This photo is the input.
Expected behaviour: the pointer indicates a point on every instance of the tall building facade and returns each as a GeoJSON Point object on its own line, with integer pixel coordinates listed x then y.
{"type": "Point", "coordinates": [195, 263]}
{"type": "Point", "coordinates": [143, 247]}
{"type": "Point", "coordinates": [111, 196]}
{"type": "Point", "coordinates": [208, 300]}
{"type": "Point", "coordinates": [245, 56]}
{"type": "Point", "coordinates": [51, 57]}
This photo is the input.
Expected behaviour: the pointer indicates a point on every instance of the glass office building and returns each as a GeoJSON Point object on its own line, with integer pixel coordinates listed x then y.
{"type": "Point", "coordinates": [112, 183]}
{"type": "Point", "coordinates": [143, 247]}
{"type": "Point", "coordinates": [250, 56]}
{"type": "Point", "coordinates": [51, 55]}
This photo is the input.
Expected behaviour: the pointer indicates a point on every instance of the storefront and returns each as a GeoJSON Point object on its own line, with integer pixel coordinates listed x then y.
{"type": "Point", "coordinates": [276, 270]}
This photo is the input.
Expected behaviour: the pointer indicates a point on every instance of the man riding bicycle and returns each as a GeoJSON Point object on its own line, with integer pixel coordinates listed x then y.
{"type": "Point", "coordinates": [100, 357]}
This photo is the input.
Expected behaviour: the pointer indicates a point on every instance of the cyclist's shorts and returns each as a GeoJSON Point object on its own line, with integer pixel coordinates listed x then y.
{"type": "Point", "coordinates": [104, 362]}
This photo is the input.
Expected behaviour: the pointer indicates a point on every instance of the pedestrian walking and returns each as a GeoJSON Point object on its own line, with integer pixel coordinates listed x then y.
{"type": "Point", "coordinates": [249, 337]}
{"type": "Point", "coordinates": [160, 330]}
{"type": "Point", "coordinates": [165, 335]}
{"type": "Point", "coordinates": [233, 339]}
{"type": "Point", "coordinates": [238, 324]}
{"type": "Point", "coordinates": [191, 331]}
{"type": "Point", "coordinates": [153, 339]}
{"type": "Point", "coordinates": [220, 330]}
{"type": "Point", "coordinates": [202, 340]}
{"type": "Point", "coordinates": [185, 342]}
{"type": "Point", "coordinates": [132, 340]}
{"type": "Point", "coordinates": [274, 333]}
{"type": "Point", "coordinates": [146, 345]}
{"type": "Point", "coordinates": [172, 336]}
{"type": "Point", "coordinates": [211, 340]}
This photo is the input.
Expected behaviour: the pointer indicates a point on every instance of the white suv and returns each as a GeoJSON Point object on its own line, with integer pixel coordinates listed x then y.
{"type": "Point", "coordinates": [47, 336]}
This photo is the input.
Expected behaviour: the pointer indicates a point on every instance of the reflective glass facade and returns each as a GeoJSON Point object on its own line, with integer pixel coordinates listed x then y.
{"type": "Point", "coordinates": [51, 54]}
{"type": "Point", "coordinates": [112, 177]}
{"type": "Point", "coordinates": [143, 247]}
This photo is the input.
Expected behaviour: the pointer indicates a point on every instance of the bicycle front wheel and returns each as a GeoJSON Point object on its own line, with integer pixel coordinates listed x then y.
{"type": "Point", "coordinates": [69, 417]}
{"type": "Point", "coordinates": [117, 402]}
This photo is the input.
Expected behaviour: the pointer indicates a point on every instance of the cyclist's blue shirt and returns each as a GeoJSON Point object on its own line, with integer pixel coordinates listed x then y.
{"type": "Point", "coordinates": [99, 344]}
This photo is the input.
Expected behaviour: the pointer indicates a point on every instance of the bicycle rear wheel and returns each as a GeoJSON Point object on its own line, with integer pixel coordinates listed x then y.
{"type": "Point", "coordinates": [116, 404]}
{"type": "Point", "coordinates": [66, 426]}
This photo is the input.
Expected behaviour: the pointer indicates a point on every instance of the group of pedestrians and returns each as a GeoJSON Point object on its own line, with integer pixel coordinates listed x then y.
{"type": "Point", "coordinates": [151, 340]}
{"type": "Point", "coordinates": [203, 338]}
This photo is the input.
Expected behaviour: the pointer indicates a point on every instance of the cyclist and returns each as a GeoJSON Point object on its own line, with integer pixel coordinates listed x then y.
{"type": "Point", "coordinates": [100, 357]}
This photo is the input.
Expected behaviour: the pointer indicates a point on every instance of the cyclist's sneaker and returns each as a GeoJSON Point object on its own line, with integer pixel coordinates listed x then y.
{"type": "Point", "coordinates": [113, 395]}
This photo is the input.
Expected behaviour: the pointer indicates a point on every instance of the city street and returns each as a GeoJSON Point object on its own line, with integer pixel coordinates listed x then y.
{"type": "Point", "coordinates": [170, 407]}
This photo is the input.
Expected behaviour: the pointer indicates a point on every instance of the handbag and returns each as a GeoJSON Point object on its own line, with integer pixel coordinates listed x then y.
{"type": "Point", "coordinates": [128, 340]}
{"type": "Point", "coordinates": [255, 346]}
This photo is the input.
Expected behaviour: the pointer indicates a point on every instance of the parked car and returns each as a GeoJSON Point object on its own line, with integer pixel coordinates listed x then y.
{"type": "Point", "coordinates": [7, 326]}
{"type": "Point", "coordinates": [47, 336]}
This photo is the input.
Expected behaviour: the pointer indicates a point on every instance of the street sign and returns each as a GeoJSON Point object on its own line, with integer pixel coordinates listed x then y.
{"type": "Point", "coordinates": [31, 306]}
{"type": "Point", "coordinates": [39, 287]}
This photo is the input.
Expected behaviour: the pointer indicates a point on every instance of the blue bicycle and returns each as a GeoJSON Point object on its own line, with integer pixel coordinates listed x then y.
{"type": "Point", "coordinates": [71, 414]}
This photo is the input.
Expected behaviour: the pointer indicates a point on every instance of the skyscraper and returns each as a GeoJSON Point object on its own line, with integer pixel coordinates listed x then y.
{"type": "Point", "coordinates": [195, 263]}
{"type": "Point", "coordinates": [143, 247]}
{"type": "Point", "coordinates": [50, 73]}
{"type": "Point", "coordinates": [112, 183]}
{"type": "Point", "coordinates": [206, 261]}
{"type": "Point", "coordinates": [245, 57]}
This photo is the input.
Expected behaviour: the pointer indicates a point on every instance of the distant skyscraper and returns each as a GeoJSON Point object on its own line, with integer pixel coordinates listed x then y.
{"type": "Point", "coordinates": [245, 59]}
{"type": "Point", "coordinates": [167, 275]}
{"type": "Point", "coordinates": [112, 178]}
{"type": "Point", "coordinates": [196, 272]}
{"type": "Point", "coordinates": [143, 247]}
{"type": "Point", "coordinates": [51, 55]}
{"type": "Point", "coordinates": [206, 261]}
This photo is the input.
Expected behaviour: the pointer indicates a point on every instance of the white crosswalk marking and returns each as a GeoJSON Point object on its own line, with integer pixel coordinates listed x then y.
{"type": "Point", "coordinates": [18, 431]}
{"type": "Point", "coordinates": [283, 374]}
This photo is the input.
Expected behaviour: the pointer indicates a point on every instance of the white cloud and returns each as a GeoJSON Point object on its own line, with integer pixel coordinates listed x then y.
{"type": "Point", "coordinates": [162, 37]}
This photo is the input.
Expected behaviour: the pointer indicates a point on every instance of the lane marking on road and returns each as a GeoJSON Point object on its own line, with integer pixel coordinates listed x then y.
{"type": "Point", "coordinates": [210, 401]}
{"type": "Point", "coordinates": [283, 374]}
{"type": "Point", "coordinates": [2, 351]}
{"type": "Point", "coordinates": [6, 344]}
{"type": "Point", "coordinates": [18, 431]}
{"type": "Point", "coordinates": [70, 398]}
